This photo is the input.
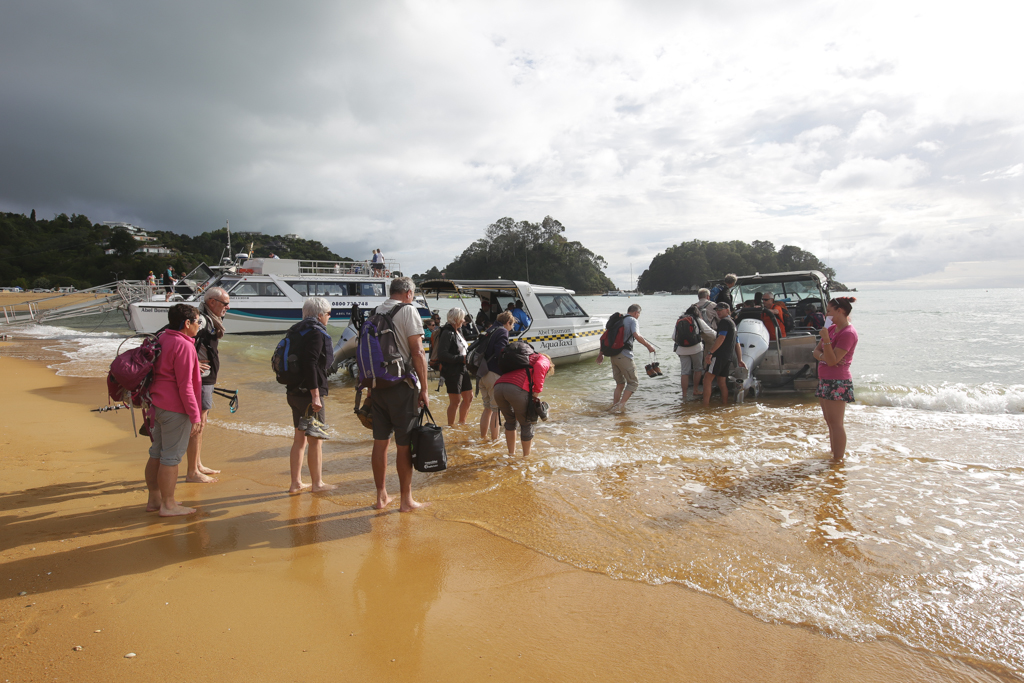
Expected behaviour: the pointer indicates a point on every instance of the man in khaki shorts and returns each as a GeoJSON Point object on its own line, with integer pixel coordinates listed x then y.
{"type": "Point", "coordinates": [623, 368]}
{"type": "Point", "coordinates": [489, 373]}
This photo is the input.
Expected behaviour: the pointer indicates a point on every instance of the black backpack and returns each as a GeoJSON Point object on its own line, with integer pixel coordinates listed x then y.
{"type": "Point", "coordinates": [613, 340]}
{"type": "Point", "coordinates": [515, 356]}
{"type": "Point", "coordinates": [285, 361]}
{"type": "Point", "coordinates": [475, 353]}
{"type": "Point", "coordinates": [687, 332]}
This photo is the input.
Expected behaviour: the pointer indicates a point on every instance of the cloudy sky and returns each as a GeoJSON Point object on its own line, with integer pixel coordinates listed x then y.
{"type": "Point", "coordinates": [886, 137]}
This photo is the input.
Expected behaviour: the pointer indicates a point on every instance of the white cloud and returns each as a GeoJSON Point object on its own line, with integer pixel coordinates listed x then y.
{"type": "Point", "coordinates": [411, 126]}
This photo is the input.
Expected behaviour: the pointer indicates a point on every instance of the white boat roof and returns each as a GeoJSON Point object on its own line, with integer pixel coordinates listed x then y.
{"type": "Point", "coordinates": [471, 286]}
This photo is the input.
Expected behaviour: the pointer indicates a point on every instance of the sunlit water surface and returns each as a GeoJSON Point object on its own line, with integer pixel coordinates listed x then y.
{"type": "Point", "coordinates": [916, 537]}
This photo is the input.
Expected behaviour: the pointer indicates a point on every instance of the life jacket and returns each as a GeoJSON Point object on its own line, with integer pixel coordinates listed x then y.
{"type": "Point", "coordinates": [613, 340]}
{"type": "Point", "coordinates": [687, 332]}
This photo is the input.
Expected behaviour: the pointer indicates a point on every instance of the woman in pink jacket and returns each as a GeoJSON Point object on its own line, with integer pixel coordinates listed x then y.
{"type": "Point", "coordinates": [176, 392]}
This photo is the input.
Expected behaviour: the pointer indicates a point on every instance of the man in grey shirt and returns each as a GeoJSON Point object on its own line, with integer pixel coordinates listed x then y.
{"type": "Point", "coordinates": [623, 367]}
{"type": "Point", "coordinates": [395, 408]}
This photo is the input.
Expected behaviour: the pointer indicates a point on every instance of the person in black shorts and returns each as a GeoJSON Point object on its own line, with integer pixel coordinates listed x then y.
{"type": "Point", "coordinates": [719, 358]}
{"type": "Point", "coordinates": [451, 351]}
{"type": "Point", "coordinates": [306, 399]}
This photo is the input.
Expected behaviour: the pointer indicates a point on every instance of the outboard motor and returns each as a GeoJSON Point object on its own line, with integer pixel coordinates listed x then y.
{"type": "Point", "coordinates": [752, 336]}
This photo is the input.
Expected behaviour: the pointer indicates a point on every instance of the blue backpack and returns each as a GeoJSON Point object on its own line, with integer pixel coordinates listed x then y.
{"type": "Point", "coordinates": [377, 353]}
{"type": "Point", "coordinates": [285, 361]}
{"type": "Point", "coordinates": [715, 291]}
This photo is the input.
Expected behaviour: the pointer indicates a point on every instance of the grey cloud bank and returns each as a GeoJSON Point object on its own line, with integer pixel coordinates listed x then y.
{"type": "Point", "coordinates": [885, 138]}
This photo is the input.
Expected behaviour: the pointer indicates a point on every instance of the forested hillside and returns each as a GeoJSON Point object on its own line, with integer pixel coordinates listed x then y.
{"type": "Point", "coordinates": [69, 251]}
{"type": "Point", "coordinates": [533, 252]}
{"type": "Point", "coordinates": [687, 266]}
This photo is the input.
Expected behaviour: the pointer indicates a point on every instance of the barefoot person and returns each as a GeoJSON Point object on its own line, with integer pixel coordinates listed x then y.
{"type": "Point", "coordinates": [215, 304]}
{"type": "Point", "coordinates": [315, 355]}
{"type": "Point", "coordinates": [835, 383]}
{"type": "Point", "coordinates": [175, 393]}
{"type": "Point", "coordinates": [512, 391]}
{"type": "Point", "coordinates": [720, 356]}
{"type": "Point", "coordinates": [623, 367]}
{"type": "Point", "coordinates": [452, 350]}
{"type": "Point", "coordinates": [489, 373]}
{"type": "Point", "coordinates": [395, 408]}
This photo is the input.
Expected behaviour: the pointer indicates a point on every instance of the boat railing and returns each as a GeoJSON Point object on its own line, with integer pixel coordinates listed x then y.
{"type": "Point", "coordinates": [365, 268]}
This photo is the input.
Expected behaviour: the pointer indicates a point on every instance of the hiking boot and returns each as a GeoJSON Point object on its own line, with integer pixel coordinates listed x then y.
{"type": "Point", "coordinates": [657, 368]}
{"type": "Point", "coordinates": [650, 370]}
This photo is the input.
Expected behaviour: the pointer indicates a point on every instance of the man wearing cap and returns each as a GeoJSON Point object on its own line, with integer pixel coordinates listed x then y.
{"type": "Point", "coordinates": [719, 356]}
{"type": "Point", "coordinates": [773, 313]}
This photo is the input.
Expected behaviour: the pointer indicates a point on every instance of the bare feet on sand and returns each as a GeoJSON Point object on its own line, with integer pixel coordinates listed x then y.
{"type": "Point", "coordinates": [382, 502]}
{"type": "Point", "coordinates": [410, 505]}
{"type": "Point", "coordinates": [296, 488]}
{"type": "Point", "coordinates": [177, 510]}
{"type": "Point", "coordinates": [207, 470]}
{"type": "Point", "coordinates": [153, 504]}
{"type": "Point", "coordinates": [317, 488]}
{"type": "Point", "coordinates": [199, 478]}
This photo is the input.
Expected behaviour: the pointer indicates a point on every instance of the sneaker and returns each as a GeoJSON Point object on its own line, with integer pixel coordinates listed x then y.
{"type": "Point", "coordinates": [313, 428]}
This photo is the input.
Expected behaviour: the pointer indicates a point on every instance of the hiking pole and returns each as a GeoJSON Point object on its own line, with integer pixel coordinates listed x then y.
{"type": "Point", "coordinates": [231, 394]}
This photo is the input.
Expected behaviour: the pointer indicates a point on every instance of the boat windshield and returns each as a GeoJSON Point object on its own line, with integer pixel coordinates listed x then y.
{"type": "Point", "coordinates": [561, 306]}
{"type": "Point", "coordinates": [785, 292]}
{"type": "Point", "coordinates": [200, 277]}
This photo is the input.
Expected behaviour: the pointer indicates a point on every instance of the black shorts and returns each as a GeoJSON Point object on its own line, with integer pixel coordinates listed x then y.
{"type": "Point", "coordinates": [719, 367]}
{"type": "Point", "coordinates": [457, 379]}
{"type": "Point", "coordinates": [300, 403]}
{"type": "Point", "coordinates": [394, 410]}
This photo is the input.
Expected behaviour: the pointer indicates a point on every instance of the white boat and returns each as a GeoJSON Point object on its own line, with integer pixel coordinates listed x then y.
{"type": "Point", "coordinates": [267, 293]}
{"type": "Point", "coordinates": [559, 326]}
{"type": "Point", "coordinates": [615, 292]}
{"type": "Point", "coordinates": [784, 363]}
{"type": "Point", "coordinates": [663, 293]}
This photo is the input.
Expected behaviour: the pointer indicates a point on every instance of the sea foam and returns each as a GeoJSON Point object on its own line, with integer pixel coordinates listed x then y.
{"type": "Point", "coordinates": [989, 398]}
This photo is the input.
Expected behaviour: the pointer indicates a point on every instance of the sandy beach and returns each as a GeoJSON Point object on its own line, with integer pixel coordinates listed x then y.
{"type": "Point", "coordinates": [267, 586]}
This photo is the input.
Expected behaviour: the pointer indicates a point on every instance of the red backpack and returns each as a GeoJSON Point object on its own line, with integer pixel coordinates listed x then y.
{"type": "Point", "coordinates": [687, 332]}
{"type": "Point", "coordinates": [613, 340]}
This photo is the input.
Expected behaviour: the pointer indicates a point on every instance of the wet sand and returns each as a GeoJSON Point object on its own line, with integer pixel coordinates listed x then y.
{"type": "Point", "coordinates": [267, 586]}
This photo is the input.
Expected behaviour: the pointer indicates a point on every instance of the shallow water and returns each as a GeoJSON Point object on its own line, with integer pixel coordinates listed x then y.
{"type": "Point", "coordinates": [916, 537]}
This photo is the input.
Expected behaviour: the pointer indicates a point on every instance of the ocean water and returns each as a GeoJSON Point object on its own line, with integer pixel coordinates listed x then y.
{"type": "Point", "coordinates": [916, 537]}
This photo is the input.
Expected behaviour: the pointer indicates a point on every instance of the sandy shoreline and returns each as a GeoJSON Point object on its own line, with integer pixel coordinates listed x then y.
{"type": "Point", "coordinates": [276, 587]}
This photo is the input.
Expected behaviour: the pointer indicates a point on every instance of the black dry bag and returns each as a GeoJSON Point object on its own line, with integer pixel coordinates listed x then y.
{"type": "Point", "coordinates": [427, 445]}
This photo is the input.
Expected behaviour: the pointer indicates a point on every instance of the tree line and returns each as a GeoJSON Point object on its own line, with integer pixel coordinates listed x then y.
{"type": "Point", "coordinates": [69, 251]}
{"type": "Point", "coordinates": [532, 252]}
{"type": "Point", "coordinates": [687, 266]}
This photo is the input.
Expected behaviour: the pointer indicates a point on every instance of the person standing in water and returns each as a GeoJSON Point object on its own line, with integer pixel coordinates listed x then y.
{"type": "Point", "coordinates": [834, 354]}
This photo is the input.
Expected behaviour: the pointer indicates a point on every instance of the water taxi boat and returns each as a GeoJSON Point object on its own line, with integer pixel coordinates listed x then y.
{"type": "Point", "coordinates": [267, 293]}
{"type": "Point", "coordinates": [776, 363]}
{"type": "Point", "coordinates": [559, 326]}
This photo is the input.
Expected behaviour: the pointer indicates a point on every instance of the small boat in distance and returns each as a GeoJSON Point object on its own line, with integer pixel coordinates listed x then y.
{"type": "Point", "coordinates": [615, 292]}
{"type": "Point", "coordinates": [662, 293]}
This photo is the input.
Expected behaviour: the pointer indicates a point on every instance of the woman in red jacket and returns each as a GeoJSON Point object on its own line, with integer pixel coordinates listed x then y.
{"type": "Point", "coordinates": [512, 391]}
{"type": "Point", "coordinates": [176, 394]}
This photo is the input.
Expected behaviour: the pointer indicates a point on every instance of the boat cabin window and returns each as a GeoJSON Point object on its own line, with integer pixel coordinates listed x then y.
{"type": "Point", "coordinates": [306, 288]}
{"type": "Point", "coordinates": [560, 306]}
{"type": "Point", "coordinates": [245, 288]}
{"type": "Point", "coordinates": [370, 288]}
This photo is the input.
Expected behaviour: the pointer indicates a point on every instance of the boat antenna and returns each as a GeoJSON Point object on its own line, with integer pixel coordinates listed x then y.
{"type": "Point", "coordinates": [228, 225]}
